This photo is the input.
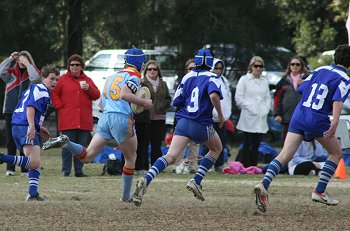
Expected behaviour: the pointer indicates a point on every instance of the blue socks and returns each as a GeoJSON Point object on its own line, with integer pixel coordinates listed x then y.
{"type": "Point", "coordinates": [326, 174]}
{"type": "Point", "coordinates": [157, 168]}
{"type": "Point", "coordinates": [203, 169]}
{"type": "Point", "coordinates": [21, 161]}
{"type": "Point", "coordinates": [33, 175]}
{"type": "Point", "coordinates": [127, 176]}
{"type": "Point", "coordinates": [272, 170]}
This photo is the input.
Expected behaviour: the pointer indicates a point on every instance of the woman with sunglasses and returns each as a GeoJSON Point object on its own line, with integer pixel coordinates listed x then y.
{"type": "Point", "coordinates": [154, 132]}
{"type": "Point", "coordinates": [286, 97]}
{"type": "Point", "coordinates": [72, 98]}
{"type": "Point", "coordinates": [253, 98]}
{"type": "Point", "coordinates": [17, 79]}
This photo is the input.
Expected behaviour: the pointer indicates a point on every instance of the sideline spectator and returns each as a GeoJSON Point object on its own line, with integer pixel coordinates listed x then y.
{"type": "Point", "coordinates": [161, 102]}
{"type": "Point", "coordinates": [253, 97]}
{"type": "Point", "coordinates": [286, 97]}
{"type": "Point", "coordinates": [308, 159]}
{"type": "Point", "coordinates": [17, 79]}
{"type": "Point", "coordinates": [72, 99]}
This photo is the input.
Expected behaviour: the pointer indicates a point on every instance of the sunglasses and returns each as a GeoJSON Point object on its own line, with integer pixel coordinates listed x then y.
{"type": "Point", "coordinates": [190, 68]}
{"type": "Point", "coordinates": [218, 68]}
{"type": "Point", "coordinates": [295, 64]}
{"type": "Point", "coordinates": [75, 64]}
{"type": "Point", "coordinates": [258, 66]}
{"type": "Point", "coordinates": [152, 69]}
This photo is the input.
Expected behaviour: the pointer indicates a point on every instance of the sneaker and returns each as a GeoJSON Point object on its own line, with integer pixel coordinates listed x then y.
{"type": "Point", "coordinates": [55, 142]}
{"type": "Point", "coordinates": [126, 200]}
{"type": "Point", "coordinates": [10, 173]}
{"type": "Point", "coordinates": [196, 189]}
{"type": "Point", "coordinates": [323, 198]}
{"type": "Point", "coordinates": [24, 174]}
{"type": "Point", "coordinates": [37, 197]}
{"type": "Point", "coordinates": [261, 197]}
{"type": "Point", "coordinates": [140, 191]}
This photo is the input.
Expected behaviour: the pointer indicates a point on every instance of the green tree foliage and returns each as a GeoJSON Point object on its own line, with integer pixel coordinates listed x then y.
{"type": "Point", "coordinates": [314, 26]}
{"type": "Point", "coordinates": [41, 26]}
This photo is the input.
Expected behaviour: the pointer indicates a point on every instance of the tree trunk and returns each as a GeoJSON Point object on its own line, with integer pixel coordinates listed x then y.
{"type": "Point", "coordinates": [75, 29]}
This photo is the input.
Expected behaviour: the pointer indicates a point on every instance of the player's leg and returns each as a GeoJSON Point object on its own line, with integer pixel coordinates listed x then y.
{"type": "Point", "coordinates": [334, 150]}
{"type": "Point", "coordinates": [86, 155]}
{"type": "Point", "coordinates": [20, 139]}
{"type": "Point", "coordinates": [128, 148]}
{"type": "Point", "coordinates": [33, 153]}
{"type": "Point", "coordinates": [215, 147]}
{"type": "Point", "coordinates": [177, 146]}
{"type": "Point", "coordinates": [291, 145]}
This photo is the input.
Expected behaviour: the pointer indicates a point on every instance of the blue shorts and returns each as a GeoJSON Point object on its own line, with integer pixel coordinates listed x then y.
{"type": "Point", "coordinates": [19, 134]}
{"type": "Point", "coordinates": [116, 126]}
{"type": "Point", "coordinates": [309, 132]}
{"type": "Point", "coordinates": [194, 130]}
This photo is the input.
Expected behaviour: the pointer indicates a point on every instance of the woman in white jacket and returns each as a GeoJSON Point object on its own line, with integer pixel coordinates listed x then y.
{"type": "Point", "coordinates": [253, 98]}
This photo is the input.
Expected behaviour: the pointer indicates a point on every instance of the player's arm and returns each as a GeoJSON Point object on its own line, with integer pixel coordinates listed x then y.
{"type": "Point", "coordinates": [128, 94]}
{"type": "Point", "coordinates": [215, 99]}
{"type": "Point", "coordinates": [30, 112]}
{"type": "Point", "coordinates": [337, 108]}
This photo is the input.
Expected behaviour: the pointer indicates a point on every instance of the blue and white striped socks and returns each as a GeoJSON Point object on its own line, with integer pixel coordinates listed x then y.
{"type": "Point", "coordinates": [272, 170]}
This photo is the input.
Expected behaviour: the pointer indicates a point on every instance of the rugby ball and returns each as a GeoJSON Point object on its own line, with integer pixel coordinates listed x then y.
{"type": "Point", "coordinates": [144, 93]}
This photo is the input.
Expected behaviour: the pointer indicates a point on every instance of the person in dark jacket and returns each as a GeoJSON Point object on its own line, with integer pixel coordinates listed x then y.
{"type": "Point", "coordinates": [152, 78]}
{"type": "Point", "coordinates": [17, 79]}
{"type": "Point", "coordinates": [286, 97]}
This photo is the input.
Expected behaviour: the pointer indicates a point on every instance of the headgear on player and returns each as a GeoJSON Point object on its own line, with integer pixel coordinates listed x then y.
{"type": "Point", "coordinates": [135, 57]}
{"type": "Point", "coordinates": [204, 57]}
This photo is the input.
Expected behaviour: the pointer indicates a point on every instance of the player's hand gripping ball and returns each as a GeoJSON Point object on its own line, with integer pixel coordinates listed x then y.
{"type": "Point", "coordinates": [144, 93]}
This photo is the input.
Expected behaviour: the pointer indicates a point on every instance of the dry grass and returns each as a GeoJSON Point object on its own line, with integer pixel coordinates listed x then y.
{"type": "Point", "coordinates": [93, 203]}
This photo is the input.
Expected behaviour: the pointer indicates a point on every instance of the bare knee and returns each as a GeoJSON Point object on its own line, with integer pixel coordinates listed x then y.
{"type": "Point", "coordinates": [170, 158]}
{"type": "Point", "coordinates": [34, 164]}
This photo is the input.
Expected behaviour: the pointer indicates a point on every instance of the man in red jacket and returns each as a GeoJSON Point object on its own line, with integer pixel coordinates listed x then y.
{"type": "Point", "coordinates": [73, 98]}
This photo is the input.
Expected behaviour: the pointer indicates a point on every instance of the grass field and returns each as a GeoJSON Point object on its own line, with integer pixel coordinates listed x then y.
{"type": "Point", "coordinates": [92, 203]}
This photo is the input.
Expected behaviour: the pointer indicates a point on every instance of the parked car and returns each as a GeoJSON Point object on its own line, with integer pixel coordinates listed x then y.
{"type": "Point", "coordinates": [106, 62]}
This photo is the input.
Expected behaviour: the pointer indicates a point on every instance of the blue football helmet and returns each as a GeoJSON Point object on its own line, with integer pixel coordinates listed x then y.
{"type": "Point", "coordinates": [135, 57]}
{"type": "Point", "coordinates": [204, 56]}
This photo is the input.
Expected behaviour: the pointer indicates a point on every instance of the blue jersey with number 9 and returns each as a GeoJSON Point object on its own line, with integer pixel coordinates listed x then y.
{"type": "Point", "coordinates": [192, 96]}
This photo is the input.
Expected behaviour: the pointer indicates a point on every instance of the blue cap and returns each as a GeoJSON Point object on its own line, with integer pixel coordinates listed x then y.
{"type": "Point", "coordinates": [204, 56]}
{"type": "Point", "coordinates": [135, 57]}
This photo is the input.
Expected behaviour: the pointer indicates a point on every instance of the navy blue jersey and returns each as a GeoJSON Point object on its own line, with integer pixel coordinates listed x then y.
{"type": "Point", "coordinates": [324, 86]}
{"type": "Point", "coordinates": [37, 96]}
{"type": "Point", "coordinates": [192, 96]}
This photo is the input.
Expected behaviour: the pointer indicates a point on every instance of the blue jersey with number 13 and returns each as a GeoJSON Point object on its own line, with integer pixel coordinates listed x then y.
{"type": "Point", "coordinates": [324, 86]}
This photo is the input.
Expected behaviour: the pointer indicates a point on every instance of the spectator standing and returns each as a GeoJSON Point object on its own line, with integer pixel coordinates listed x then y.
{"type": "Point", "coordinates": [17, 79]}
{"type": "Point", "coordinates": [193, 148]}
{"type": "Point", "coordinates": [161, 102]}
{"type": "Point", "coordinates": [142, 127]}
{"type": "Point", "coordinates": [73, 98]}
{"type": "Point", "coordinates": [27, 123]}
{"type": "Point", "coordinates": [286, 97]}
{"type": "Point", "coordinates": [253, 98]}
{"type": "Point", "coordinates": [226, 106]}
